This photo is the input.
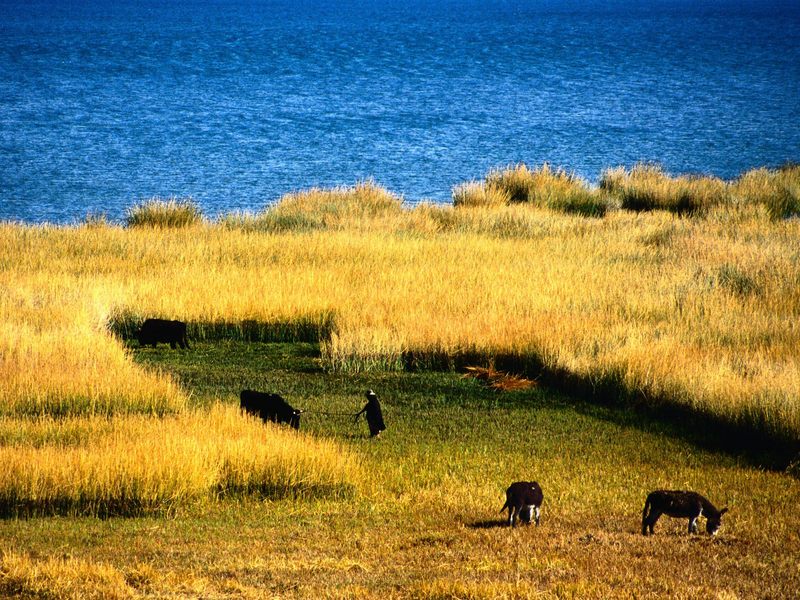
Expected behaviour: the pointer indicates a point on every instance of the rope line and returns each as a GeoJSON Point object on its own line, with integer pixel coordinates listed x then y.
{"type": "Point", "coordinates": [330, 414]}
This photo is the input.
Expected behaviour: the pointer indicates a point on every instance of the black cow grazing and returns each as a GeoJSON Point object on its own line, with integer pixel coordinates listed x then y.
{"type": "Point", "coordinates": [269, 407]}
{"type": "Point", "coordinates": [523, 499]}
{"type": "Point", "coordinates": [374, 414]}
{"type": "Point", "coordinates": [161, 330]}
{"type": "Point", "coordinates": [688, 505]}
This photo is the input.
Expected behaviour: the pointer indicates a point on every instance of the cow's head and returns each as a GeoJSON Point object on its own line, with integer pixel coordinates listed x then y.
{"type": "Point", "coordinates": [295, 419]}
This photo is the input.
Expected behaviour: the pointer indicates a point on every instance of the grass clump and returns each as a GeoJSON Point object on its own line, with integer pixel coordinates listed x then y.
{"type": "Point", "coordinates": [169, 213]}
{"type": "Point", "coordinates": [499, 380]}
{"type": "Point", "coordinates": [648, 187]}
{"type": "Point", "coordinates": [776, 189]}
{"type": "Point", "coordinates": [737, 281]}
{"type": "Point", "coordinates": [478, 193]}
{"type": "Point", "coordinates": [96, 219]}
{"type": "Point", "coordinates": [545, 187]}
{"type": "Point", "coordinates": [332, 208]}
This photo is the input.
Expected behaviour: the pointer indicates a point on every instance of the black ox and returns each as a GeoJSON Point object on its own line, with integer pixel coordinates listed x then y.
{"type": "Point", "coordinates": [269, 407]}
{"type": "Point", "coordinates": [154, 331]}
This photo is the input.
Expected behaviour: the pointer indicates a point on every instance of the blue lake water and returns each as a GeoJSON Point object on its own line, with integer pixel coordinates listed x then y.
{"type": "Point", "coordinates": [105, 103]}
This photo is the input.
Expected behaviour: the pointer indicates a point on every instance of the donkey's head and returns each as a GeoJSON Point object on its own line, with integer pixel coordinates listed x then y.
{"type": "Point", "coordinates": [713, 522]}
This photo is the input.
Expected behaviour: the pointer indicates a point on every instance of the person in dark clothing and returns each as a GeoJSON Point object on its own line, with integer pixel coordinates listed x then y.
{"type": "Point", "coordinates": [374, 414]}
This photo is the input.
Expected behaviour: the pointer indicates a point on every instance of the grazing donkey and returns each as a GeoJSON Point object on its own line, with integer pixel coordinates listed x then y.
{"type": "Point", "coordinates": [522, 499]}
{"type": "Point", "coordinates": [688, 505]}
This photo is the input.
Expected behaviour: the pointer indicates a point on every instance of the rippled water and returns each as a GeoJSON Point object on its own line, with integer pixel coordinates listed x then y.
{"type": "Point", "coordinates": [237, 102]}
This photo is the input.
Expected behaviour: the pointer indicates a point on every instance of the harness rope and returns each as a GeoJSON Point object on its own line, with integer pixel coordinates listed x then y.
{"type": "Point", "coordinates": [330, 414]}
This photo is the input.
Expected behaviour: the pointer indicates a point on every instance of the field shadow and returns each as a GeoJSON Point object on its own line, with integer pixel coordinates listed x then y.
{"type": "Point", "coordinates": [491, 524]}
{"type": "Point", "coordinates": [607, 398]}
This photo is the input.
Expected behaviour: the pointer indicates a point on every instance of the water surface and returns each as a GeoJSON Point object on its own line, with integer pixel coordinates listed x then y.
{"type": "Point", "coordinates": [237, 102]}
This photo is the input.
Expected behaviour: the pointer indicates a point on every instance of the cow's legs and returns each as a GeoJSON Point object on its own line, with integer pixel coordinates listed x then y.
{"type": "Point", "coordinates": [536, 513]}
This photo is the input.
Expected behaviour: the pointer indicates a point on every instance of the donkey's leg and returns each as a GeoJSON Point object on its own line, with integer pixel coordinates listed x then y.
{"type": "Point", "coordinates": [517, 515]}
{"type": "Point", "coordinates": [693, 519]}
{"type": "Point", "coordinates": [652, 518]}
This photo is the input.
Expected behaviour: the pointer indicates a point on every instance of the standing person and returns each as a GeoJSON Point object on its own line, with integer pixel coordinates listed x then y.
{"type": "Point", "coordinates": [374, 414]}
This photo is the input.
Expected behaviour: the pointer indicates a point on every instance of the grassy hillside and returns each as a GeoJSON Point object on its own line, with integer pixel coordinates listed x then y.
{"type": "Point", "coordinates": [699, 314]}
{"type": "Point", "coordinates": [676, 295]}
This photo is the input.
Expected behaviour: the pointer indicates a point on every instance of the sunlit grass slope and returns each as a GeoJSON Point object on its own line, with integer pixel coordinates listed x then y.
{"type": "Point", "coordinates": [56, 356]}
{"type": "Point", "coordinates": [699, 313]}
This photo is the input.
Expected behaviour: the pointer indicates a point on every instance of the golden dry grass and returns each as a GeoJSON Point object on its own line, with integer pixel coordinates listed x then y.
{"type": "Point", "coordinates": [697, 312]}
{"type": "Point", "coordinates": [778, 190]}
{"type": "Point", "coordinates": [142, 465]}
{"type": "Point", "coordinates": [62, 579]}
{"type": "Point", "coordinates": [478, 193]}
{"type": "Point", "coordinates": [337, 208]}
{"type": "Point", "coordinates": [57, 356]}
{"type": "Point", "coordinates": [542, 186]}
{"type": "Point", "coordinates": [648, 187]}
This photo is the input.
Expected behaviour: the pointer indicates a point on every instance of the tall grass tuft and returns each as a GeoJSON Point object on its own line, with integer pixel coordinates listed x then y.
{"type": "Point", "coordinates": [649, 187]}
{"type": "Point", "coordinates": [141, 465]}
{"type": "Point", "coordinates": [478, 193]}
{"type": "Point", "coordinates": [776, 189]}
{"type": "Point", "coordinates": [333, 208]}
{"type": "Point", "coordinates": [169, 213]}
{"type": "Point", "coordinates": [556, 189]}
{"type": "Point", "coordinates": [517, 181]}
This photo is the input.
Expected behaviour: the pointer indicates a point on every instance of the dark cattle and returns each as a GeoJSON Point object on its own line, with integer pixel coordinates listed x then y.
{"type": "Point", "coordinates": [154, 331]}
{"type": "Point", "coordinates": [523, 500]}
{"type": "Point", "coordinates": [374, 414]}
{"type": "Point", "coordinates": [687, 505]}
{"type": "Point", "coordinates": [269, 407]}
